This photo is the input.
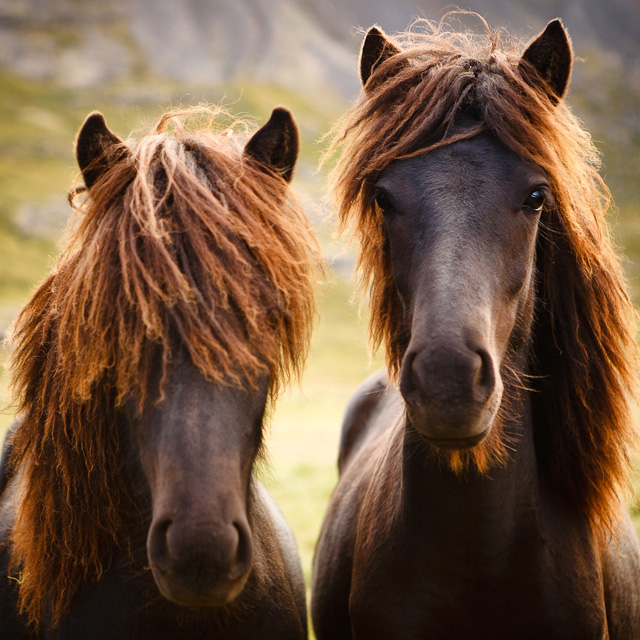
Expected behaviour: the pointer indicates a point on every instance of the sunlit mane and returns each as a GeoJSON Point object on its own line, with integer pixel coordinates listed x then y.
{"type": "Point", "coordinates": [444, 87]}
{"type": "Point", "coordinates": [183, 244]}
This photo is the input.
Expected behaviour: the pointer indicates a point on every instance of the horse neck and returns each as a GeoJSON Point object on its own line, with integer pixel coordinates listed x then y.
{"type": "Point", "coordinates": [477, 510]}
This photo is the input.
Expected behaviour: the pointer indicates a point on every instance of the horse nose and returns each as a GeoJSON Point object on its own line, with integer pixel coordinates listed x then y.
{"type": "Point", "coordinates": [200, 565]}
{"type": "Point", "coordinates": [450, 374]}
{"type": "Point", "coordinates": [447, 387]}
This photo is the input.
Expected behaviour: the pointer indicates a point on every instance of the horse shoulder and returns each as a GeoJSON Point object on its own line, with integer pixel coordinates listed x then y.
{"type": "Point", "coordinates": [5, 456]}
{"type": "Point", "coordinates": [361, 416]}
{"type": "Point", "coordinates": [11, 625]}
{"type": "Point", "coordinates": [366, 433]}
{"type": "Point", "coordinates": [621, 578]}
{"type": "Point", "coordinates": [333, 566]}
{"type": "Point", "coordinates": [277, 571]}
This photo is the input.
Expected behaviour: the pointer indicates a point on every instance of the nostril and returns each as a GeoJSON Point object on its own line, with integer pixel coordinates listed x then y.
{"type": "Point", "coordinates": [408, 386]}
{"type": "Point", "coordinates": [485, 379]}
{"type": "Point", "coordinates": [447, 374]}
{"type": "Point", "coordinates": [158, 544]}
{"type": "Point", "coordinates": [244, 550]}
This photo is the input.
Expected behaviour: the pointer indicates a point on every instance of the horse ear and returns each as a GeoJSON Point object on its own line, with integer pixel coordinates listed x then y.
{"type": "Point", "coordinates": [550, 54]}
{"type": "Point", "coordinates": [94, 147]}
{"type": "Point", "coordinates": [276, 144]}
{"type": "Point", "coordinates": [376, 48]}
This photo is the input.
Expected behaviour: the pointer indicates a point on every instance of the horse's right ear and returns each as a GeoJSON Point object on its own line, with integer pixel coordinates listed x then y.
{"type": "Point", "coordinates": [95, 145]}
{"type": "Point", "coordinates": [376, 48]}
{"type": "Point", "coordinates": [551, 56]}
{"type": "Point", "coordinates": [275, 145]}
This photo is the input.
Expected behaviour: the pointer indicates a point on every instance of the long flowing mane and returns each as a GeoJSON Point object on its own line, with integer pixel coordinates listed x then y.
{"type": "Point", "coordinates": [442, 87]}
{"type": "Point", "coordinates": [186, 243]}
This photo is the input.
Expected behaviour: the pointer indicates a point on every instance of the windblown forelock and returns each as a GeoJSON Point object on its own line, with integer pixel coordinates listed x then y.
{"type": "Point", "coordinates": [443, 87]}
{"type": "Point", "coordinates": [197, 248]}
{"type": "Point", "coordinates": [183, 244]}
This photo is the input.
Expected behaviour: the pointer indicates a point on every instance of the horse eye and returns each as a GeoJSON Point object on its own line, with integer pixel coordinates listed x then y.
{"type": "Point", "coordinates": [535, 200]}
{"type": "Point", "coordinates": [382, 200]}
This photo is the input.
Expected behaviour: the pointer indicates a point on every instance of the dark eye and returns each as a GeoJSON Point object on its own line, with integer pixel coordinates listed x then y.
{"type": "Point", "coordinates": [535, 201]}
{"type": "Point", "coordinates": [381, 199]}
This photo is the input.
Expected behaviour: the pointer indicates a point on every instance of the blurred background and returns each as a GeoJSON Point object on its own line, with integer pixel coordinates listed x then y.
{"type": "Point", "coordinates": [134, 59]}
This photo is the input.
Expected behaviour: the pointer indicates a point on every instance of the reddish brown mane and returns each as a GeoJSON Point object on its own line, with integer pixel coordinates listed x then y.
{"type": "Point", "coordinates": [186, 242]}
{"type": "Point", "coordinates": [583, 334]}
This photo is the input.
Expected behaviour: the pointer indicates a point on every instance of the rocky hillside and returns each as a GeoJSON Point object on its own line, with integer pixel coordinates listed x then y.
{"type": "Point", "coordinates": [298, 44]}
{"type": "Point", "coordinates": [309, 48]}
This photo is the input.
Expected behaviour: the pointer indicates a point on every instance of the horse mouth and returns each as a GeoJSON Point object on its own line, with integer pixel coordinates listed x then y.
{"type": "Point", "coordinates": [183, 592]}
{"type": "Point", "coordinates": [456, 428]}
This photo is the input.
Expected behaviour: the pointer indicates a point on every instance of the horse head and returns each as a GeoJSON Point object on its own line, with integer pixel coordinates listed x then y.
{"type": "Point", "coordinates": [447, 175]}
{"type": "Point", "coordinates": [461, 225]}
{"type": "Point", "coordinates": [197, 442]}
{"type": "Point", "coordinates": [145, 361]}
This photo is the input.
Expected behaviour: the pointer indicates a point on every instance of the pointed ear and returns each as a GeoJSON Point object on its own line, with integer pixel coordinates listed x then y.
{"type": "Point", "coordinates": [94, 148]}
{"type": "Point", "coordinates": [550, 54]}
{"type": "Point", "coordinates": [275, 145]}
{"type": "Point", "coordinates": [375, 50]}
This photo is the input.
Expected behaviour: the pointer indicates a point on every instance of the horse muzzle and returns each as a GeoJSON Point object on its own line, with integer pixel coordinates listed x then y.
{"type": "Point", "coordinates": [203, 566]}
{"type": "Point", "coordinates": [452, 393]}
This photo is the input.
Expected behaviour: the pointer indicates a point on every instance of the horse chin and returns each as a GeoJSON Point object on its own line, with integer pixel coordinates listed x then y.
{"type": "Point", "coordinates": [184, 593]}
{"type": "Point", "coordinates": [455, 431]}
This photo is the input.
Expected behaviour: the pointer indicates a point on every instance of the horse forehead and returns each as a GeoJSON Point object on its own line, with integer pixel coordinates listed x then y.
{"type": "Point", "coordinates": [461, 172]}
{"type": "Point", "coordinates": [190, 384]}
{"type": "Point", "coordinates": [185, 386]}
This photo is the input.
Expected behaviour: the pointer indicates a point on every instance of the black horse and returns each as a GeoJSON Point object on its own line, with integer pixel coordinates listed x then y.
{"type": "Point", "coordinates": [480, 496]}
{"type": "Point", "coordinates": [143, 366]}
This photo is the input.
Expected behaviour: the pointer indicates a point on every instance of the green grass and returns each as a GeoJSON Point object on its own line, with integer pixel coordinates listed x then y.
{"type": "Point", "coordinates": [303, 443]}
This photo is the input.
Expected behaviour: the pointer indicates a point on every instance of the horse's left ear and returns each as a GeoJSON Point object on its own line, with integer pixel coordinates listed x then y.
{"type": "Point", "coordinates": [276, 144]}
{"type": "Point", "coordinates": [94, 145]}
{"type": "Point", "coordinates": [376, 48]}
{"type": "Point", "coordinates": [550, 54]}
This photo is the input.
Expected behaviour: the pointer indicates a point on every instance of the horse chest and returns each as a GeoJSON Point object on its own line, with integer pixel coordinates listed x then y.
{"type": "Point", "coordinates": [430, 594]}
{"type": "Point", "coordinates": [126, 605]}
{"type": "Point", "coordinates": [480, 611]}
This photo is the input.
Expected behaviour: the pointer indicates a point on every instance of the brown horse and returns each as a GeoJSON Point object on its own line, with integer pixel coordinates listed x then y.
{"type": "Point", "coordinates": [481, 496]}
{"type": "Point", "coordinates": [142, 368]}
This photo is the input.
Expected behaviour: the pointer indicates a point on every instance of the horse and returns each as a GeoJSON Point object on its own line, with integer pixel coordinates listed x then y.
{"type": "Point", "coordinates": [482, 474]}
{"type": "Point", "coordinates": [143, 369]}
